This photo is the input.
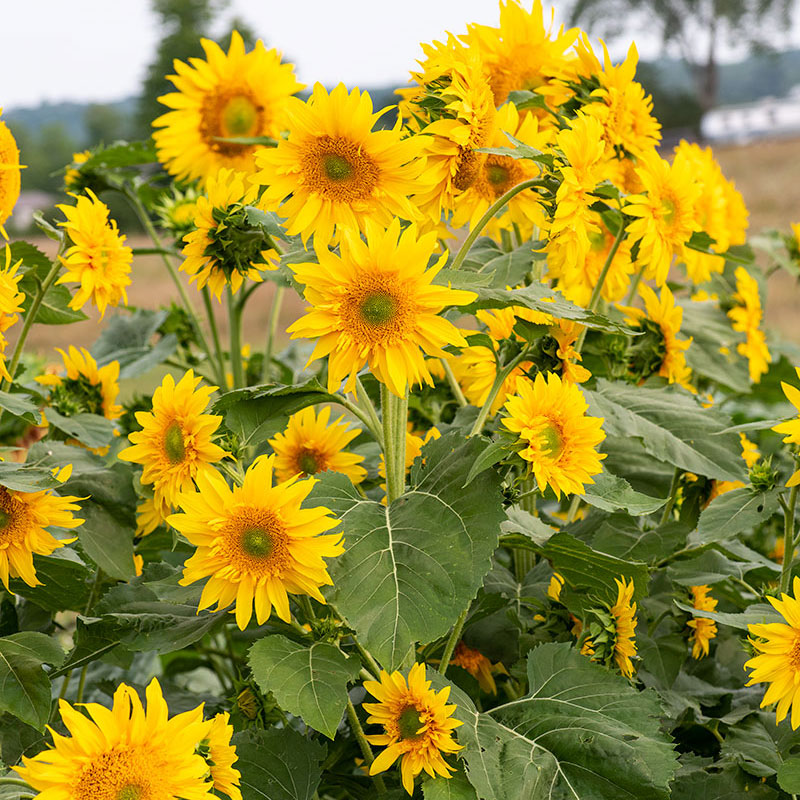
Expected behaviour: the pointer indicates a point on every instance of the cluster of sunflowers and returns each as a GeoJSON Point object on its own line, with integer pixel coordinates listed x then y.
{"type": "Point", "coordinates": [545, 338]}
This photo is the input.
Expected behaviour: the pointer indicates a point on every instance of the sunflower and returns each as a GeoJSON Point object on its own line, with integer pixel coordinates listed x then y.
{"type": "Point", "coordinates": [792, 427]}
{"type": "Point", "coordinates": [85, 388]}
{"type": "Point", "coordinates": [72, 174]}
{"type": "Point", "coordinates": [555, 586]}
{"type": "Point", "coordinates": [559, 439]}
{"type": "Point", "coordinates": [477, 373]}
{"type": "Point", "coordinates": [98, 259]}
{"type": "Point", "coordinates": [226, 248]}
{"type": "Point", "coordinates": [624, 613]}
{"type": "Point", "coordinates": [703, 629]}
{"type": "Point", "coordinates": [310, 444]}
{"type": "Point", "coordinates": [148, 517]}
{"type": "Point", "coordinates": [175, 444]}
{"type": "Point", "coordinates": [10, 183]}
{"type": "Point", "coordinates": [474, 662]}
{"type": "Point", "coordinates": [665, 211]}
{"type": "Point", "coordinates": [376, 303]}
{"type": "Point", "coordinates": [233, 95]}
{"type": "Point", "coordinates": [11, 300]}
{"type": "Point", "coordinates": [778, 656]}
{"type": "Point", "coordinates": [23, 519]}
{"type": "Point", "coordinates": [176, 211]}
{"type": "Point", "coordinates": [417, 722]}
{"type": "Point", "coordinates": [222, 756]}
{"type": "Point", "coordinates": [335, 172]}
{"type": "Point", "coordinates": [746, 318]}
{"type": "Point", "coordinates": [124, 753]}
{"type": "Point", "coordinates": [255, 544]}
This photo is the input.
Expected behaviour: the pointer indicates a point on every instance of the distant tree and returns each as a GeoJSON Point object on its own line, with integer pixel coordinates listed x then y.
{"type": "Point", "coordinates": [104, 124]}
{"type": "Point", "coordinates": [697, 28]}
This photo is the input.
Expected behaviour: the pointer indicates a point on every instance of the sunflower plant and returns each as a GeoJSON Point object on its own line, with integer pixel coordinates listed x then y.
{"type": "Point", "coordinates": [508, 509]}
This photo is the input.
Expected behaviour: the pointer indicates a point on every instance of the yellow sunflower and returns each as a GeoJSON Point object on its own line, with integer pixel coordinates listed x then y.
{"type": "Point", "coordinates": [560, 440]}
{"type": "Point", "coordinates": [177, 210]}
{"type": "Point", "coordinates": [124, 753]}
{"type": "Point", "coordinates": [255, 544]}
{"type": "Point", "coordinates": [225, 96]}
{"type": "Point", "coordinates": [10, 182]}
{"type": "Point", "coordinates": [85, 388]}
{"type": "Point", "coordinates": [23, 519]}
{"type": "Point", "coordinates": [703, 629]}
{"type": "Point", "coordinates": [11, 300]}
{"type": "Point", "coordinates": [312, 444]}
{"type": "Point", "coordinates": [477, 370]}
{"type": "Point", "coordinates": [72, 174]}
{"type": "Point", "coordinates": [335, 172]}
{"type": "Point", "coordinates": [98, 259]}
{"type": "Point", "coordinates": [377, 303]}
{"type": "Point", "coordinates": [665, 212]}
{"type": "Point", "coordinates": [624, 613]}
{"type": "Point", "coordinates": [225, 248]}
{"type": "Point", "coordinates": [746, 317]}
{"type": "Point", "coordinates": [792, 427]}
{"type": "Point", "coordinates": [175, 444]}
{"type": "Point", "coordinates": [222, 756]}
{"type": "Point", "coordinates": [148, 517]}
{"type": "Point", "coordinates": [566, 333]}
{"type": "Point", "coordinates": [417, 722]}
{"type": "Point", "coordinates": [480, 667]}
{"type": "Point", "coordinates": [777, 662]}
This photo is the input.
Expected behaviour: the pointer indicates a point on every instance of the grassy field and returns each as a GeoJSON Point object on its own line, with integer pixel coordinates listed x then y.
{"type": "Point", "coordinates": [767, 174]}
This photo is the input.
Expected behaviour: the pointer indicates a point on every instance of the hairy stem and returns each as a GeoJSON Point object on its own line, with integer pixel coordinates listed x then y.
{"type": "Point", "coordinates": [788, 539]}
{"type": "Point", "coordinates": [272, 330]}
{"type": "Point", "coordinates": [395, 414]}
{"type": "Point", "coordinates": [455, 635]}
{"type": "Point", "coordinates": [235, 323]}
{"type": "Point", "coordinates": [366, 750]}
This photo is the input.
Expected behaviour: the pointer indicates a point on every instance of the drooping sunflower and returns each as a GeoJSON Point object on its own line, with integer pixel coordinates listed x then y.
{"type": "Point", "coordinates": [559, 438]}
{"type": "Point", "coordinates": [222, 756]}
{"type": "Point", "coordinates": [777, 662]}
{"type": "Point", "coordinates": [417, 722]}
{"type": "Point", "coordinates": [227, 95]}
{"type": "Point", "coordinates": [312, 444]}
{"type": "Point", "coordinates": [124, 753]}
{"type": "Point", "coordinates": [255, 543]}
{"type": "Point", "coordinates": [10, 182]}
{"type": "Point", "coordinates": [23, 519]}
{"type": "Point", "coordinates": [85, 388]}
{"type": "Point", "coordinates": [624, 613]}
{"type": "Point", "coordinates": [746, 317]}
{"type": "Point", "coordinates": [335, 172]}
{"type": "Point", "coordinates": [703, 629]}
{"type": "Point", "coordinates": [175, 444]}
{"type": "Point", "coordinates": [99, 260]}
{"type": "Point", "coordinates": [376, 303]}
{"type": "Point", "coordinates": [11, 300]}
{"type": "Point", "coordinates": [792, 427]}
{"type": "Point", "coordinates": [665, 211]}
{"type": "Point", "coordinates": [72, 174]}
{"type": "Point", "coordinates": [480, 667]}
{"type": "Point", "coordinates": [226, 248]}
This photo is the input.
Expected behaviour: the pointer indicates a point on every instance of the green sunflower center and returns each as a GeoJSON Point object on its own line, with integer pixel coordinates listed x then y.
{"type": "Point", "coordinates": [378, 309]}
{"type": "Point", "coordinates": [240, 116]}
{"type": "Point", "coordinates": [256, 542]}
{"type": "Point", "coordinates": [409, 723]}
{"type": "Point", "coordinates": [550, 441]}
{"type": "Point", "coordinates": [174, 445]}
{"type": "Point", "coordinates": [309, 462]}
{"type": "Point", "coordinates": [5, 518]}
{"type": "Point", "coordinates": [497, 174]}
{"type": "Point", "coordinates": [336, 167]}
{"type": "Point", "coordinates": [130, 792]}
{"type": "Point", "coordinates": [668, 210]}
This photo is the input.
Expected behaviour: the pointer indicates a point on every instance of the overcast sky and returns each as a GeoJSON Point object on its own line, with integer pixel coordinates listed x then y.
{"type": "Point", "coordinates": [98, 50]}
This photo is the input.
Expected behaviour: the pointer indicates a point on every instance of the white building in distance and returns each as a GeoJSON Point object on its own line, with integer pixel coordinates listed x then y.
{"type": "Point", "coordinates": [769, 117]}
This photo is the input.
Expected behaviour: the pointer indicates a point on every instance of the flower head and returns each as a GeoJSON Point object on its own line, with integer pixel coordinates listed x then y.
{"type": "Point", "coordinates": [377, 303]}
{"type": "Point", "coordinates": [10, 183]}
{"type": "Point", "coordinates": [703, 629]}
{"type": "Point", "coordinates": [559, 439]}
{"type": "Point", "coordinates": [11, 300]}
{"type": "Point", "coordinates": [624, 613]}
{"type": "Point", "coordinates": [746, 318]}
{"type": "Point", "coordinates": [98, 259]}
{"type": "Point", "coordinates": [255, 543]}
{"type": "Point", "coordinates": [417, 722]}
{"type": "Point", "coordinates": [222, 756]}
{"type": "Point", "coordinates": [792, 427]}
{"type": "Point", "coordinates": [480, 667]}
{"type": "Point", "coordinates": [334, 171]}
{"type": "Point", "coordinates": [226, 96]}
{"type": "Point", "coordinates": [310, 445]}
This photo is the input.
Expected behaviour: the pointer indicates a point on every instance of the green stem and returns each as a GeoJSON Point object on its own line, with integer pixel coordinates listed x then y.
{"type": "Point", "coordinates": [367, 658]}
{"type": "Point", "coordinates": [635, 285]}
{"type": "Point", "coordinates": [455, 635]}
{"type": "Point", "coordinates": [81, 684]}
{"type": "Point", "coordinates": [368, 409]}
{"type": "Point", "coordinates": [525, 560]}
{"type": "Point", "coordinates": [212, 324]}
{"type": "Point", "coordinates": [573, 508]}
{"type": "Point", "coordinates": [395, 414]}
{"type": "Point", "coordinates": [673, 495]}
{"type": "Point", "coordinates": [493, 392]}
{"type": "Point", "coordinates": [451, 380]}
{"type": "Point", "coordinates": [366, 750]}
{"type": "Point", "coordinates": [788, 540]}
{"type": "Point", "coordinates": [272, 330]}
{"type": "Point", "coordinates": [490, 212]}
{"type": "Point", "coordinates": [362, 415]}
{"type": "Point", "coordinates": [235, 323]}
{"type": "Point", "coordinates": [7, 780]}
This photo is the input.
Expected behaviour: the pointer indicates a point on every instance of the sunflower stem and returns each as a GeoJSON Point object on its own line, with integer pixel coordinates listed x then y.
{"type": "Point", "coordinates": [366, 750]}
{"type": "Point", "coordinates": [451, 380]}
{"type": "Point", "coordinates": [490, 212]}
{"type": "Point", "coordinates": [493, 392]}
{"type": "Point", "coordinates": [525, 560]}
{"type": "Point", "coordinates": [358, 412]}
{"type": "Point", "coordinates": [573, 508]}
{"type": "Point", "coordinates": [7, 780]}
{"type": "Point", "coordinates": [788, 540]}
{"type": "Point", "coordinates": [368, 409]}
{"type": "Point", "coordinates": [81, 684]}
{"type": "Point", "coordinates": [635, 285]}
{"type": "Point", "coordinates": [452, 641]}
{"type": "Point", "coordinates": [219, 367]}
{"type": "Point", "coordinates": [395, 414]}
{"type": "Point", "coordinates": [673, 496]}
{"type": "Point", "coordinates": [235, 323]}
{"type": "Point", "coordinates": [272, 330]}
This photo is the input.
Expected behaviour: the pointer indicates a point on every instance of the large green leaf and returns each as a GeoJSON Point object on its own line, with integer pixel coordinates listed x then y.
{"type": "Point", "coordinates": [107, 540]}
{"type": "Point", "coordinates": [24, 685]}
{"type": "Point", "coordinates": [65, 582]}
{"type": "Point", "coordinates": [410, 569]}
{"type": "Point", "coordinates": [735, 512]}
{"type": "Point", "coordinates": [672, 426]}
{"type": "Point", "coordinates": [277, 764]}
{"type": "Point", "coordinates": [309, 682]}
{"type": "Point", "coordinates": [91, 430]}
{"type": "Point", "coordinates": [611, 493]}
{"type": "Point", "coordinates": [20, 405]}
{"type": "Point", "coordinates": [621, 535]}
{"type": "Point", "coordinates": [457, 787]}
{"type": "Point", "coordinates": [750, 745]}
{"type": "Point", "coordinates": [581, 733]}
{"type": "Point", "coordinates": [25, 477]}
{"type": "Point", "coordinates": [708, 568]}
